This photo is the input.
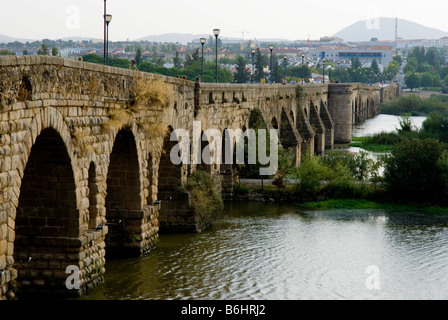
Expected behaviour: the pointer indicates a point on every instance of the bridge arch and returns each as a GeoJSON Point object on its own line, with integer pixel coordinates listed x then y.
{"type": "Point", "coordinates": [94, 218]}
{"type": "Point", "coordinates": [226, 167]}
{"type": "Point", "coordinates": [170, 178]}
{"type": "Point", "coordinates": [124, 191]}
{"type": "Point", "coordinates": [48, 205]}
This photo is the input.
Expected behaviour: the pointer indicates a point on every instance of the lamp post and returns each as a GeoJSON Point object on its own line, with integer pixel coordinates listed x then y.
{"type": "Point", "coordinates": [338, 70]}
{"type": "Point", "coordinates": [202, 68]}
{"type": "Point", "coordinates": [104, 23]}
{"type": "Point", "coordinates": [216, 33]}
{"type": "Point", "coordinates": [107, 20]}
{"type": "Point", "coordinates": [271, 47]}
{"type": "Point", "coordinates": [284, 65]}
{"type": "Point", "coordinates": [303, 73]}
{"type": "Point", "coordinates": [253, 64]}
{"type": "Point", "coordinates": [323, 69]}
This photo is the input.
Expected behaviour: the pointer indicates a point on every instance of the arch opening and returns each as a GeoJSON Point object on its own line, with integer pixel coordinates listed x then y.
{"type": "Point", "coordinates": [170, 179]}
{"type": "Point", "coordinates": [94, 218]}
{"type": "Point", "coordinates": [123, 200]}
{"type": "Point", "coordinates": [47, 216]}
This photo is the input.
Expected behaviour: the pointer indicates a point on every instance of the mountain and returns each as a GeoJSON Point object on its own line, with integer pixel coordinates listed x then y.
{"type": "Point", "coordinates": [6, 39]}
{"type": "Point", "coordinates": [184, 38]}
{"type": "Point", "coordinates": [384, 29]}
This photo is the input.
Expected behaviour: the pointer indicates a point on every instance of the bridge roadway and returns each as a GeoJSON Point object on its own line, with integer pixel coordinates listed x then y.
{"type": "Point", "coordinates": [84, 158]}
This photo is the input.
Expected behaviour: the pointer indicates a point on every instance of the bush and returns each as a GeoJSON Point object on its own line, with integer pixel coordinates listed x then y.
{"type": "Point", "coordinates": [341, 183]}
{"type": "Point", "coordinates": [416, 106]}
{"type": "Point", "coordinates": [417, 170]}
{"type": "Point", "coordinates": [310, 173]}
{"type": "Point", "coordinates": [358, 165]}
{"type": "Point", "coordinates": [386, 138]}
{"type": "Point", "coordinates": [205, 200]}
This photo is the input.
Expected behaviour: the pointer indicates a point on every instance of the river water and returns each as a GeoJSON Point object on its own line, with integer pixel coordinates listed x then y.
{"type": "Point", "coordinates": [259, 251]}
{"type": "Point", "coordinates": [383, 123]}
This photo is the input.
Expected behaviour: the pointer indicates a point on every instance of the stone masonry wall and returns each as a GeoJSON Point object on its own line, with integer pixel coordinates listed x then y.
{"type": "Point", "coordinates": [82, 104]}
{"type": "Point", "coordinates": [64, 169]}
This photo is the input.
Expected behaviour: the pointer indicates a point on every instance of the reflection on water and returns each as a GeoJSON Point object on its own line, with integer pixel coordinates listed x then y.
{"type": "Point", "coordinates": [271, 251]}
{"type": "Point", "coordinates": [277, 251]}
{"type": "Point", "coordinates": [383, 122]}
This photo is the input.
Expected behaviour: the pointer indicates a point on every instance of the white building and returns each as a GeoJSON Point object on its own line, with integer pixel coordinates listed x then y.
{"type": "Point", "coordinates": [365, 53]}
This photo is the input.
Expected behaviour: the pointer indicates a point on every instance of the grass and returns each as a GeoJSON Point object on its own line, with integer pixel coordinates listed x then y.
{"type": "Point", "coordinates": [361, 204]}
{"type": "Point", "coordinates": [367, 143]}
{"type": "Point", "coordinates": [118, 119]}
{"type": "Point", "coordinates": [267, 187]}
{"type": "Point", "coordinates": [152, 93]}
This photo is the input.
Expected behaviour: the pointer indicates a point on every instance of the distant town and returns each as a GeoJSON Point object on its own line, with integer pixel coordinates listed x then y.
{"type": "Point", "coordinates": [310, 61]}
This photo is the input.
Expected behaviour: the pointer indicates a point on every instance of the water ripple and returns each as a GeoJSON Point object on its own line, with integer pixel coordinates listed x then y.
{"type": "Point", "coordinates": [274, 252]}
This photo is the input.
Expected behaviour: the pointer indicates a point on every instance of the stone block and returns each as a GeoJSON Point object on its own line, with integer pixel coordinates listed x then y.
{"type": "Point", "coordinates": [6, 61]}
{"type": "Point", "coordinates": [3, 247]}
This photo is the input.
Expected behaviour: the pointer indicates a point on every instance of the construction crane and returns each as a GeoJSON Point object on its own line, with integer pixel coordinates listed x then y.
{"type": "Point", "coordinates": [242, 33]}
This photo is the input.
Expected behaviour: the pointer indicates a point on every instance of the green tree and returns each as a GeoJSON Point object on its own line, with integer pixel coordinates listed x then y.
{"type": "Point", "coordinates": [44, 50]}
{"type": "Point", "coordinates": [138, 56]}
{"type": "Point", "coordinates": [375, 68]}
{"type": "Point", "coordinates": [356, 63]}
{"type": "Point", "coordinates": [391, 70]}
{"type": "Point", "coordinates": [5, 52]}
{"type": "Point", "coordinates": [411, 65]}
{"type": "Point", "coordinates": [398, 59]}
{"type": "Point", "coordinates": [342, 75]}
{"type": "Point", "coordinates": [297, 72]}
{"type": "Point", "coordinates": [426, 80]}
{"type": "Point", "coordinates": [419, 53]}
{"type": "Point", "coordinates": [195, 56]}
{"type": "Point", "coordinates": [277, 74]}
{"type": "Point", "coordinates": [242, 74]}
{"type": "Point", "coordinates": [93, 58]}
{"type": "Point", "coordinates": [176, 60]}
{"type": "Point", "coordinates": [55, 52]}
{"type": "Point", "coordinates": [432, 57]}
{"type": "Point", "coordinates": [424, 67]}
{"type": "Point", "coordinates": [417, 170]}
{"type": "Point", "coordinates": [412, 81]}
{"type": "Point", "coordinates": [261, 61]}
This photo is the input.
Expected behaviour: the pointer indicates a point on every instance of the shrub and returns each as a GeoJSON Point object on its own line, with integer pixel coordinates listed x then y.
{"type": "Point", "coordinates": [416, 170]}
{"type": "Point", "coordinates": [310, 173]}
{"type": "Point", "coordinates": [238, 189]}
{"type": "Point", "coordinates": [340, 182]}
{"type": "Point", "coordinates": [205, 200]}
{"type": "Point", "coordinates": [358, 165]}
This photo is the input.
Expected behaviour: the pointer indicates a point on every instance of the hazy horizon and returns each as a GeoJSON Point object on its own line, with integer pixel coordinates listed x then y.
{"type": "Point", "coordinates": [135, 19]}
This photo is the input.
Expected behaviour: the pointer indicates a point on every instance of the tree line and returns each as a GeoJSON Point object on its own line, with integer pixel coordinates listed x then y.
{"type": "Point", "coordinates": [426, 68]}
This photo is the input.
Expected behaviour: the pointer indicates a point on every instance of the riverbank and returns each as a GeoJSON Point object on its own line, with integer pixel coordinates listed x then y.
{"type": "Point", "coordinates": [366, 196]}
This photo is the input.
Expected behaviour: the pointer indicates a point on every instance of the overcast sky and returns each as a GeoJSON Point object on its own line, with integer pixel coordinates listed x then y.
{"type": "Point", "coordinates": [134, 19]}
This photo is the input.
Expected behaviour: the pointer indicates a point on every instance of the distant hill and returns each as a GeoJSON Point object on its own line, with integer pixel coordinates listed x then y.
{"type": "Point", "coordinates": [184, 38]}
{"type": "Point", "coordinates": [6, 39]}
{"type": "Point", "coordinates": [384, 29]}
{"type": "Point", "coordinates": [174, 37]}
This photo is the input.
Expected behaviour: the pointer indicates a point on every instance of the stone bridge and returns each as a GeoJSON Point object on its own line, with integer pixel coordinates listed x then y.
{"type": "Point", "coordinates": [85, 166]}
